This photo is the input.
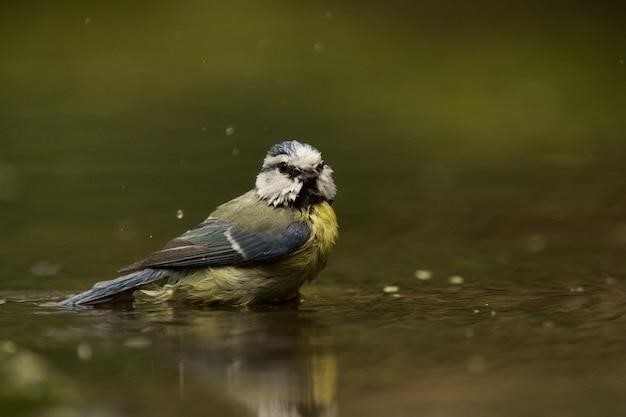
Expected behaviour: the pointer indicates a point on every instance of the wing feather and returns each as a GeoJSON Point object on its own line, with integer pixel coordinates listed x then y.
{"type": "Point", "coordinates": [219, 243]}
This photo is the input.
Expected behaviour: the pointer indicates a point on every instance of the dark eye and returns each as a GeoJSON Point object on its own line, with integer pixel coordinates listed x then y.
{"type": "Point", "coordinates": [320, 166]}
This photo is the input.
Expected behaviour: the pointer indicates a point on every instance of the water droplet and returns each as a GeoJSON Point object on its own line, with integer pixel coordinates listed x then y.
{"type": "Point", "coordinates": [150, 236]}
{"type": "Point", "coordinates": [423, 274]}
{"type": "Point", "coordinates": [180, 214]}
{"type": "Point", "coordinates": [493, 313]}
{"type": "Point", "coordinates": [577, 289]}
{"type": "Point", "coordinates": [456, 280]}
{"type": "Point", "coordinates": [328, 15]}
{"type": "Point", "coordinates": [236, 151]}
{"type": "Point", "coordinates": [203, 128]}
{"type": "Point", "coordinates": [87, 20]}
{"type": "Point", "coordinates": [319, 46]}
{"type": "Point", "coordinates": [391, 289]}
{"type": "Point", "coordinates": [230, 130]}
{"type": "Point", "coordinates": [84, 352]}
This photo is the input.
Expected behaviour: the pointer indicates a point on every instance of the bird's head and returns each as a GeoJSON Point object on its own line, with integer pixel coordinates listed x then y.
{"type": "Point", "coordinates": [294, 175]}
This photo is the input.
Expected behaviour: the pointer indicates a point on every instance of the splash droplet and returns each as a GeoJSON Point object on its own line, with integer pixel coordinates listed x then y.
{"type": "Point", "coordinates": [391, 289]}
{"type": "Point", "coordinates": [229, 130]}
{"type": "Point", "coordinates": [456, 280]}
{"type": "Point", "coordinates": [180, 214]}
{"type": "Point", "coordinates": [423, 274]}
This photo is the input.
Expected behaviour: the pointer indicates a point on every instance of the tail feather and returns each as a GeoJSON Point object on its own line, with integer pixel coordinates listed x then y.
{"type": "Point", "coordinates": [109, 291]}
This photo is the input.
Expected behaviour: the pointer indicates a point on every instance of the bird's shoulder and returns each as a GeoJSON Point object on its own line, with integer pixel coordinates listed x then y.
{"type": "Point", "coordinates": [248, 212]}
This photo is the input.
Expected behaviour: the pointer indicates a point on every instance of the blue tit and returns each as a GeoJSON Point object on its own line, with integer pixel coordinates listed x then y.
{"type": "Point", "coordinates": [260, 247]}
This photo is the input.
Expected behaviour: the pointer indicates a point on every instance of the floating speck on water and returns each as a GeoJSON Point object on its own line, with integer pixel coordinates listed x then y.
{"type": "Point", "coordinates": [87, 20]}
{"type": "Point", "coordinates": [476, 311]}
{"type": "Point", "coordinates": [180, 214]}
{"type": "Point", "coordinates": [476, 364]}
{"type": "Point", "coordinates": [150, 236]}
{"type": "Point", "coordinates": [391, 289]}
{"type": "Point", "coordinates": [8, 346]}
{"type": "Point", "coordinates": [493, 313]}
{"type": "Point", "coordinates": [84, 352]}
{"type": "Point", "coordinates": [423, 274]}
{"type": "Point", "coordinates": [536, 243]}
{"type": "Point", "coordinates": [577, 289]}
{"type": "Point", "coordinates": [229, 130]}
{"type": "Point", "coordinates": [456, 280]}
{"type": "Point", "coordinates": [236, 151]}
{"type": "Point", "coordinates": [137, 342]}
{"type": "Point", "coordinates": [45, 269]}
{"type": "Point", "coordinates": [319, 46]}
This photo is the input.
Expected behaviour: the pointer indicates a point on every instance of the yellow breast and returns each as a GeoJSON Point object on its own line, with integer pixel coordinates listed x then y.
{"type": "Point", "coordinates": [324, 227]}
{"type": "Point", "coordinates": [311, 258]}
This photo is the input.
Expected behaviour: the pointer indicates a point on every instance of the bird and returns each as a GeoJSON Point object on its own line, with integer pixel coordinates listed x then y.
{"type": "Point", "coordinates": [258, 248]}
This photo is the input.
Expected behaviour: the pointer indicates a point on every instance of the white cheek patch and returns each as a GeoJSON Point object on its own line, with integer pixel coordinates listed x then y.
{"type": "Point", "coordinates": [326, 185]}
{"type": "Point", "coordinates": [276, 188]}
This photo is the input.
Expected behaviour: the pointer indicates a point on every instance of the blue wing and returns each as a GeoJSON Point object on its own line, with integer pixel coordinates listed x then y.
{"type": "Point", "coordinates": [219, 243]}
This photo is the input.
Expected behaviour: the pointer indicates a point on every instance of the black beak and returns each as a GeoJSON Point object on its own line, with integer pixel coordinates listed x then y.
{"type": "Point", "coordinates": [308, 177]}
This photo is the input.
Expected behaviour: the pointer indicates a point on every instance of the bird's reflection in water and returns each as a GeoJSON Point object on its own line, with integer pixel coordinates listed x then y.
{"type": "Point", "coordinates": [277, 363]}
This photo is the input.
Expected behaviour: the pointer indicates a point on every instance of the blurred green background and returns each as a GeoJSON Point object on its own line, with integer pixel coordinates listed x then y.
{"type": "Point", "coordinates": [484, 140]}
{"type": "Point", "coordinates": [459, 132]}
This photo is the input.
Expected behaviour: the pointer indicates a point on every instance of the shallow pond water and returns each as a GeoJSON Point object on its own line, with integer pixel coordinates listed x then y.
{"type": "Point", "coordinates": [449, 350]}
{"type": "Point", "coordinates": [479, 153]}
